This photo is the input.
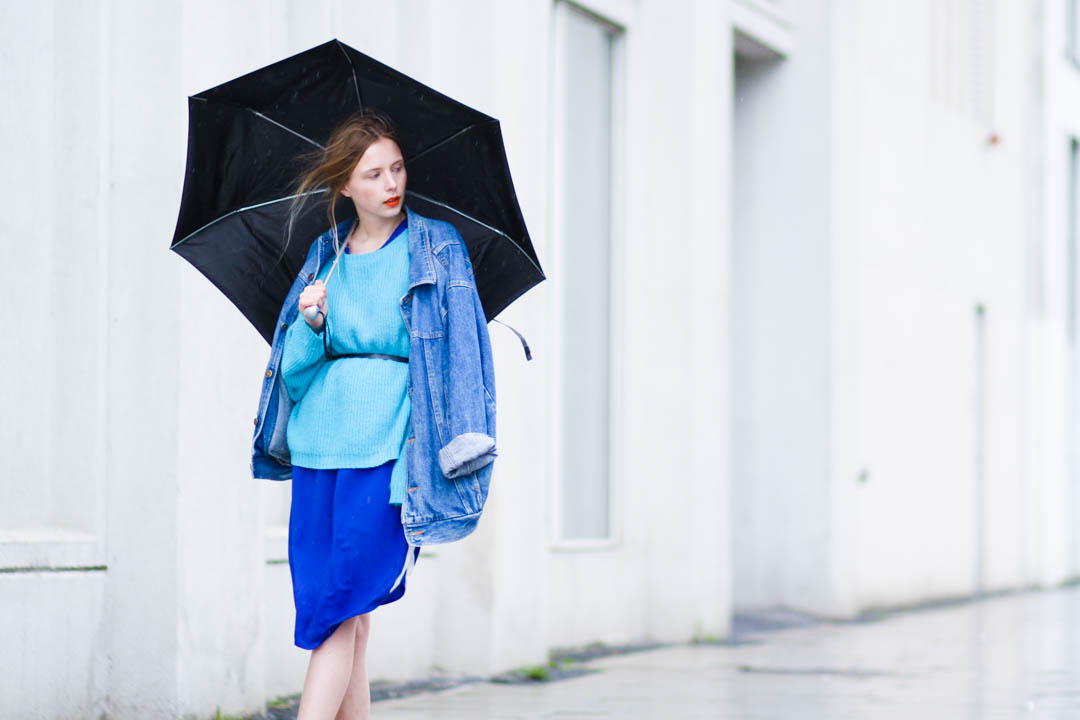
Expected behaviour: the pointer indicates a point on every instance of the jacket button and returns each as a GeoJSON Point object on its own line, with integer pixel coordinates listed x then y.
{"type": "Point", "coordinates": [269, 373]}
{"type": "Point", "coordinates": [310, 277]}
{"type": "Point", "coordinates": [284, 326]}
{"type": "Point", "coordinates": [256, 422]}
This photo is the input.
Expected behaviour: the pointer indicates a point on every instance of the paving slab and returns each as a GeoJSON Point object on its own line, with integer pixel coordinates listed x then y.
{"type": "Point", "coordinates": [1012, 656]}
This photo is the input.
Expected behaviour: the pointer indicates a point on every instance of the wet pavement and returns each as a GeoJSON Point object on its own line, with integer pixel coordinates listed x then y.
{"type": "Point", "coordinates": [1011, 656]}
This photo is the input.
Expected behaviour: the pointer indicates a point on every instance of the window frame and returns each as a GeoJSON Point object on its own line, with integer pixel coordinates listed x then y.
{"type": "Point", "coordinates": [1072, 240]}
{"type": "Point", "coordinates": [1072, 30]}
{"type": "Point", "coordinates": [614, 16]}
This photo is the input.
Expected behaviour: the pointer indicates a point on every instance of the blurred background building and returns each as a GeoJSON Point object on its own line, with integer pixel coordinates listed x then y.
{"type": "Point", "coordinates": [809, 337]}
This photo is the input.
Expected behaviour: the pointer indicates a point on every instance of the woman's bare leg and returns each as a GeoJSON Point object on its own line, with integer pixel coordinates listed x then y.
{"type": "Point", "coordinates": [356, 704]}
{"type": "Point", "coordinates": [329, 669]}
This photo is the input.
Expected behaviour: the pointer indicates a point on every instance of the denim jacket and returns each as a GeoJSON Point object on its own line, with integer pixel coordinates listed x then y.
{"type": "Point", "coordinates": [451, 442]}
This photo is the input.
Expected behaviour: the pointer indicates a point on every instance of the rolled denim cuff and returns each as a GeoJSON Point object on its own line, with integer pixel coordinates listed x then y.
{"type": "Point", "coordinates": [466, 454]}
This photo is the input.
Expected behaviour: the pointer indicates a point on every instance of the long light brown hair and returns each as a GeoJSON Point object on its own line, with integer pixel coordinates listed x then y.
{"type": "Point", "coordinates": [329, 168]}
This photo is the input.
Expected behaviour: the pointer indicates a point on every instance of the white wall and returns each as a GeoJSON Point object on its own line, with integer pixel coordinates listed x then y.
{"type": "Point", "coordinates": [930, 220]}
{"type": "Point", "coordinates": [893, 442]}
{"type": "Point", "coordinates": [1055, 510]}
{"type": "Point", "coordinates": [93, 482]}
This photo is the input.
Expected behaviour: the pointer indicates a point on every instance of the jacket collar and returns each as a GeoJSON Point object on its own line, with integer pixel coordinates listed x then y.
{"type": "Point", "coordinates": [421, 264]}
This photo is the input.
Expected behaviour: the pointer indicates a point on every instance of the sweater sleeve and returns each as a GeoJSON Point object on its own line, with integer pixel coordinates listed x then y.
{"type": "Point", "coordinates": [301, 357]}
{"type": "Point", "coordinates": [399, 476]}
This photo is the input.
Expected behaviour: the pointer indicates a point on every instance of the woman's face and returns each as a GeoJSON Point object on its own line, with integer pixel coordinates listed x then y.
{"type": "Point", "coordinates": [377, 183]}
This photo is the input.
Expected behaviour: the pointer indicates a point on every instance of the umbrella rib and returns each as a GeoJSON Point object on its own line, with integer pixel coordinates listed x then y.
{"type": "Point", "coordinates": [287, 129]}
{"type": "Point", "coordinates": [240, 210]}
{"type": "Point", "coordinates": [352, 70]}
{"type": "Point", "coordinates": [442, 142]}
{"type": "Point", "coordinates": [481, 223]}
{"type": "Point", "coordinates": [259, 114]}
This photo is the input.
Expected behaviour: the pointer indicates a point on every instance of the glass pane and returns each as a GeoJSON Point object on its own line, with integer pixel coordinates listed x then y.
{"type": "Point", "coordinates": [586, 234]}
{"type": "Point", "coordinates": [1071, 238]}
{"type": "Point", "coordinates": [1074, 29]}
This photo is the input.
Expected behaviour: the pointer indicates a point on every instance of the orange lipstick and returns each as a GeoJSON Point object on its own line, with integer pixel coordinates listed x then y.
{"type": "Point", "coordinates": [393, 202]}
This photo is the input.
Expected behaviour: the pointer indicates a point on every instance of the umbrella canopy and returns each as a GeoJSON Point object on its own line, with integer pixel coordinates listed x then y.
{"type": "Point", "coordinates": [244, 141]}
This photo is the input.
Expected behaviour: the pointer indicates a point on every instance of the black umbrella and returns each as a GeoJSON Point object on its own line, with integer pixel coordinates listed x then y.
{"type": "Point", "coordinates": [244, 141]}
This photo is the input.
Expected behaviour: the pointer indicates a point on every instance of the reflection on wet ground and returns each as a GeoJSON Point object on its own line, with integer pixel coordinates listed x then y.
{"type": "Point", "coordinates": [1013, 656]}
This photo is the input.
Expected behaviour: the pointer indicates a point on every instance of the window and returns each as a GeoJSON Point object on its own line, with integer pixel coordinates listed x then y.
{"type": "Point", "coordinates": [1073, 27]}
{"type": "Point", "coordinates": [1071, 232]}
{"type": "Point", "coordinates": [962, 57]}
{"type": "Point", "coordinates": [584, 197]}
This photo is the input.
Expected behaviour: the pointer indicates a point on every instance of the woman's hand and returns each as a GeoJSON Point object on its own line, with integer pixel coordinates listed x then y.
{"type": "Point", "coordinates": [314, 294]}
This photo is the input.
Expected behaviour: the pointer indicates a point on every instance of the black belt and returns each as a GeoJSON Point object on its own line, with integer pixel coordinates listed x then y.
{"type": "Point", "coordinates": [331, 355]}
{"type": "Point", "coordinates": [367, 355]}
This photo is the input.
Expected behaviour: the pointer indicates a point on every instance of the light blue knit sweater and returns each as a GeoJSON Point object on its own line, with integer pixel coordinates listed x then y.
{"type": "Point", "coordinates": [353, 412]}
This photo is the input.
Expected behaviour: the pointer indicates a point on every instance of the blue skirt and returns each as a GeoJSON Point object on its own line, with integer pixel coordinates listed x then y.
{"type": "Point", "coordinates": [347, 549]}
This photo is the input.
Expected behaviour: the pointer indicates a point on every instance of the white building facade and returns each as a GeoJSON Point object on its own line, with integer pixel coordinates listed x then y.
{"type": "Point", "coordinates": [904, 305]}
{"type": "Point", "coordinates": [807, 338]}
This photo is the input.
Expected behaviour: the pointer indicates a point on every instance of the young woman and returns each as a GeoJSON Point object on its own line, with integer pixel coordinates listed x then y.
{"type": "Point", "coordinates": [372, 479]}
